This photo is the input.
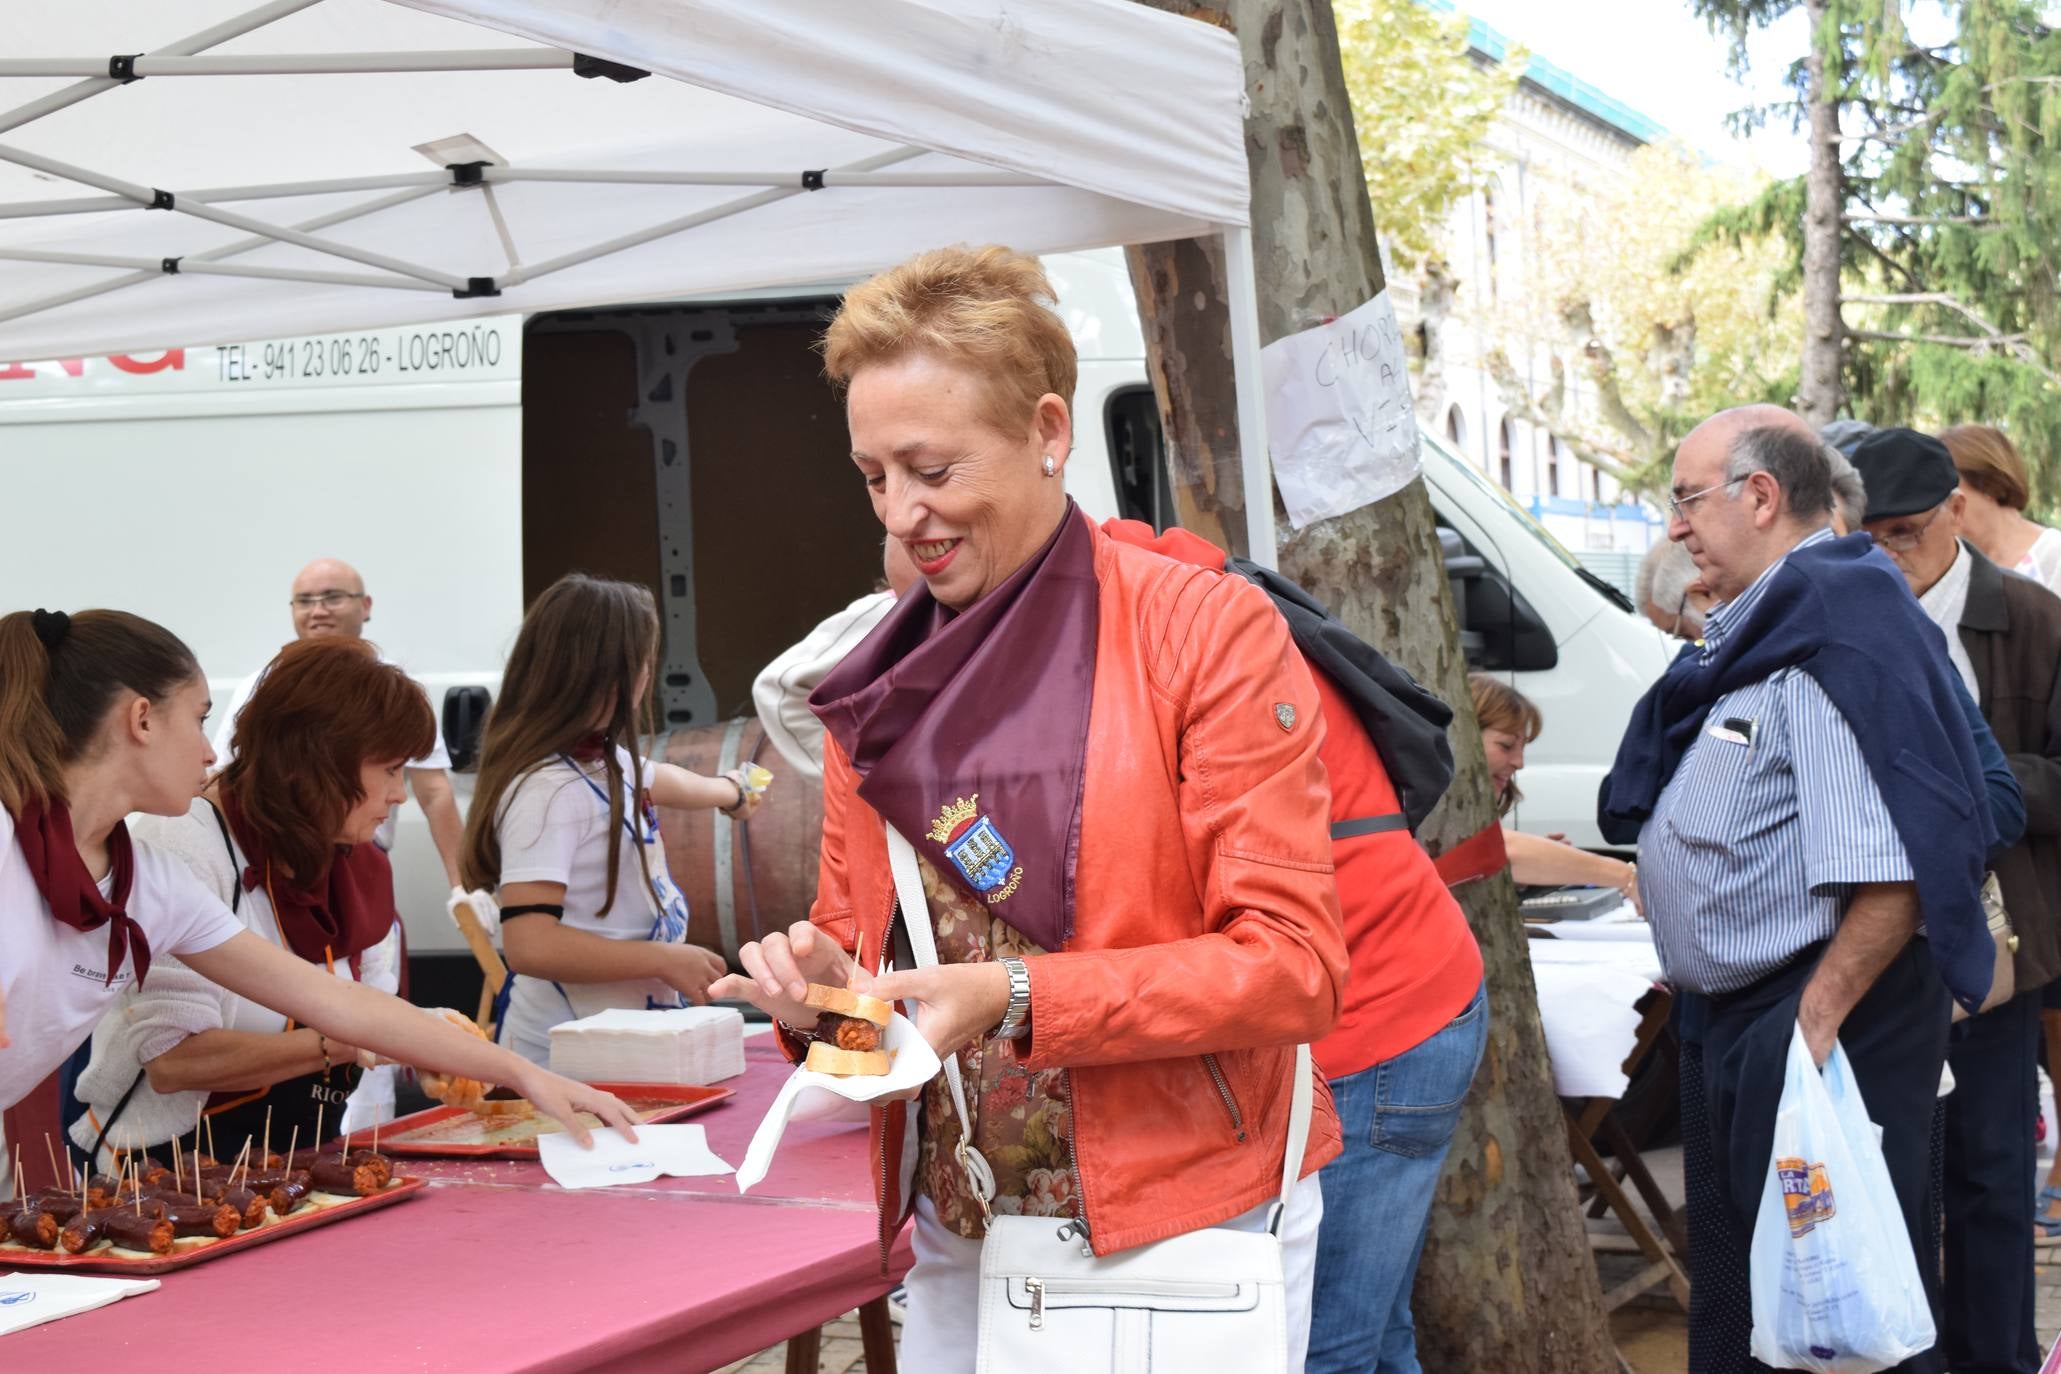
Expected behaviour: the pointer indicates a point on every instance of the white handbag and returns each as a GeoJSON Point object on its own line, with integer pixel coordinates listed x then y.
{"type": "Point", "coordinates": [1210, 1299]}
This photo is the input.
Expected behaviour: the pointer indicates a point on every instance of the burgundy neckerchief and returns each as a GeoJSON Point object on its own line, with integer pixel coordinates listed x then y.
{"type": "Point", "coordinates": [45, 836]}
{"type": "Point", "coordinates": [352, 912]}
{"type": "Point", "coordinates": [969, 730]}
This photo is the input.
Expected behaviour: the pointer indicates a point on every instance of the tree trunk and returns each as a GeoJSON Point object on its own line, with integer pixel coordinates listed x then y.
{"type": "Point", "coordinates": [1507, 1282]}
{"type": "Point", "coordinates": [1822, 390]}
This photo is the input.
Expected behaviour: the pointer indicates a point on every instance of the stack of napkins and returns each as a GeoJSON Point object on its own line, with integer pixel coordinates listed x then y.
{"type": "Point", "coordinates": [688, 1045]}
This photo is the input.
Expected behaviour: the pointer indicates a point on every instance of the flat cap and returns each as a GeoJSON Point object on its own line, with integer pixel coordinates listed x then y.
{"type": "Point", "coordinates": [1905, 472]}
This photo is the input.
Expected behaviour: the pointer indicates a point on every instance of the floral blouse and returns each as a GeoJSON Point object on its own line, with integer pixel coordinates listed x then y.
{"type": "Point", "coordinates": [1022, 1121]}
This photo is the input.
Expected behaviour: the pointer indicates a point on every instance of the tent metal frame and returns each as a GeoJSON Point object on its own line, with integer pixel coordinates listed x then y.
{"type": "Point", "coordinates": [185, 58]}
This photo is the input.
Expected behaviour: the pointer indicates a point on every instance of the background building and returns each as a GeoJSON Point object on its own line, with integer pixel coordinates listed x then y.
{"type": "Point", "coordinates": [1558, 136]}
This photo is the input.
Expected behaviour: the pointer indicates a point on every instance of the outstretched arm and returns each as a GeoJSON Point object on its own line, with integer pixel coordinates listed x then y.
{"type": "Point", "coordinates": [357, 1015]}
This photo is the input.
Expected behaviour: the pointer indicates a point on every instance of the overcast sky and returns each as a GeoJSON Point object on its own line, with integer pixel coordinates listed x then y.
{"type": "Point", "coordinates": [1659, 59]}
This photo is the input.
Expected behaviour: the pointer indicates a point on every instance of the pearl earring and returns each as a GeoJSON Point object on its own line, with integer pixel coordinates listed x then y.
{"type": "Point", "coordinates": [1050, 467]}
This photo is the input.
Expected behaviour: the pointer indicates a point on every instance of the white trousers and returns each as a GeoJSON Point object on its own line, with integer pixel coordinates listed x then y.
{"type": "Point", "coordinates": [940, 1335]}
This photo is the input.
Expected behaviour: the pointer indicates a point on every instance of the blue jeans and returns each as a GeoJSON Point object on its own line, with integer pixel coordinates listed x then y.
{"type": "Point", "coordinates": [1397, 1118]}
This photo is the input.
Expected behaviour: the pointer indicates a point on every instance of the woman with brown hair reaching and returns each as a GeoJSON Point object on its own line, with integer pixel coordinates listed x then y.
{"type": "Point", "coordinates": [283, 836]}
{"type": "Point", "coordinates": [563, 824]}
{"type": "Point", "coordinates": [1509, 721]}
{"type": "Point", "coordinates": [103, 714]}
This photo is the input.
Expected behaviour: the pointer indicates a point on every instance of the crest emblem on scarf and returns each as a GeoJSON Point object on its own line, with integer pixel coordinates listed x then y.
{"type": "Point", "coordinates": [977, 849]}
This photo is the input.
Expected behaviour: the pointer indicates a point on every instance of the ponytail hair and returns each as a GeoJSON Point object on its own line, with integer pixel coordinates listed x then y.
{"type": "Point", "coordinates": [60, 676]}
{"type": "Point", "coordinates": [574, 666]}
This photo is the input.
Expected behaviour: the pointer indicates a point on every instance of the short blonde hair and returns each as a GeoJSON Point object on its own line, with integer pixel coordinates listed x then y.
{"type": "Point", "coordinates": [1988, 461]}
{"type": "Point", "coordinates": [987, 309]}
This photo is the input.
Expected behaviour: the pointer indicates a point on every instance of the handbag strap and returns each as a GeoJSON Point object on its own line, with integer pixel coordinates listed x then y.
{"type": "Point", "coordinates": [923, 944]}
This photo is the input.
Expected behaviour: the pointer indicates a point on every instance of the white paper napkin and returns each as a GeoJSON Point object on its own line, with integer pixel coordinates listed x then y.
{"type": "Point", "coordinates": [681, 1151]}
{"type": "Point", "coordinates": [28, 1300]}
{"type": "Point", "coordinates": [807, 1095]}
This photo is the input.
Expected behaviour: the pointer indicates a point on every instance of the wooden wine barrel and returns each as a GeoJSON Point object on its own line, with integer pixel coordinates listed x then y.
{"type": "Point", "coordinates": [741, 879]}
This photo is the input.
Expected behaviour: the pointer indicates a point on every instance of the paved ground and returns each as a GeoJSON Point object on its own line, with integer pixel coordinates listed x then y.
{"type": "Point", "coordinates": [842, 1353]}
{"type": "Point", "coordinates": [1651, 1332]}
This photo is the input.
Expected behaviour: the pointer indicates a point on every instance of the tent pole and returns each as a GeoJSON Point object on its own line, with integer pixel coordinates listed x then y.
{"type": "Point", "coordinates": [693, 221]}
{"type": "Point", "coordinates": [1242, 295]}
{"type": "Point", "coordinates": [781, 180]}
{"type": "Point", "coordinates": [302, 64]}
{"type": "Point", "coordinates": [227, 250]}
{"type": "Point", "coordinates": [202, 210]}
{"type": "Point", "coordinates": [136, 264]}
{"type": "Point", "coordinates": [86, 205]}
{"type": "Point", "coordinates": [206, 38]}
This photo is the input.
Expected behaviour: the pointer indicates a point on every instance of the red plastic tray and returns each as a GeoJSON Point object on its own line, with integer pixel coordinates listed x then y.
{"type": "Point", "coordinates": [279, 1228]}
{"type": "Point", "coordinates": [455, 1133]}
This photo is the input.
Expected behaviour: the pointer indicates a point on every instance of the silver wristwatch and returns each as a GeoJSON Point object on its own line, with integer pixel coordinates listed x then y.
{"type": "Point", "coordinates": [1016, 1020]}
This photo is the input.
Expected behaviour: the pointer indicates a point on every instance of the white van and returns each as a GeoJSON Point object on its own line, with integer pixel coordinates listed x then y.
{"type": "Point", "coordinates": [462, 469]}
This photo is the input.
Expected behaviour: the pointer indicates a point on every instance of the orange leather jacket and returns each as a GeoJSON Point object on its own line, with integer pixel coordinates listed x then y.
{"type": "Point", "coordinates": [1207, 936]}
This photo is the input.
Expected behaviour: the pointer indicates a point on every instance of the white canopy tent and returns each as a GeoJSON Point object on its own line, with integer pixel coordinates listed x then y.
{"type": "Point", "coordinates": [321, 165]}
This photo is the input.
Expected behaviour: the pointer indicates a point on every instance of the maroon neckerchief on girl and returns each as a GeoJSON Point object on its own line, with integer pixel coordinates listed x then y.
{"type": "Point", "coordinates": [45, 836]}
{"type": "Point", "coordinates": [351, 913]}
{"type": "Point", "coordinates": [969, 730]}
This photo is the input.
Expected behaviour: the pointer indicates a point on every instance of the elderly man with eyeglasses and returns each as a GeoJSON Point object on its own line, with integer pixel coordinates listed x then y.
{"type": "Point", "coordinates": [329, 598]}
{"type": "Point", "coordinates": [1801, 785]}
{"type": "Point", "coordinates": [2003, 635]}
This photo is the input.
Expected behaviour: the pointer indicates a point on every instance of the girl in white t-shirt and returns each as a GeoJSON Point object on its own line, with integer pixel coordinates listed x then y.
{"type": "Point", "coordinates": [285, 836]}
{"type": "Point", "coordinates": [102, 714]}
{"type": "Point", "coordinates": [564, 823]}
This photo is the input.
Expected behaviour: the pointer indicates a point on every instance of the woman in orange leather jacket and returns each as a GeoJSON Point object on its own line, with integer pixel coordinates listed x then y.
{"type": "Point", "coordinates": [1107, 764]}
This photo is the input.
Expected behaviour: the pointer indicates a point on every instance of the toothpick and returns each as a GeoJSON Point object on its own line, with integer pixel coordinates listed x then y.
{"type": "Point", "coordinates": [211, 1140]}
{"type": "Point", "coordinates": [375, 1133]}
{"type": "Point", "coordinates": [268, 1133]}
{"type": "Point", "coordinates": [318, 1130]}
{"type": "Point", "coordinates": [138, 1195]}
{"type": "Point", "coordinates": [20, 1191]}
{"type": "Point", "coordinates": [179, 1167]}
{"type": "Point", "coordinates": [242, 1161]}
{"type": "Point", "coordinates": [293, 1146]}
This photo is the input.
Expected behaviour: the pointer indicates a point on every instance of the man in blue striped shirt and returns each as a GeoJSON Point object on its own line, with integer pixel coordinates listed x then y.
{"type": "Point", "coordinates": [1781, 895]}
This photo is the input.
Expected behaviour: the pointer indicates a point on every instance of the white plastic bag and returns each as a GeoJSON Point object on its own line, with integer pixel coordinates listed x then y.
{"type": "Point", "coordinates": [1835, 1285]}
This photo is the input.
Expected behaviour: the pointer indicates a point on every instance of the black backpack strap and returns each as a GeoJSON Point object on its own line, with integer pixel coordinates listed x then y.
{"type": "Point", "coordinates": [1405, 721]}
{"type": "Point", "coordinates": [235, 882]}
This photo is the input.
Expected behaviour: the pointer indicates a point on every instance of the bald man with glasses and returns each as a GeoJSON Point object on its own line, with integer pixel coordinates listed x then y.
{"type": "Point", "coordinates": [329, 598]}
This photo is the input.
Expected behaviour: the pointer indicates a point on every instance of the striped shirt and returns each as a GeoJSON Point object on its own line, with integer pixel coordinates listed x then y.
{"type": "Point", "coordinates": [1772, 816]}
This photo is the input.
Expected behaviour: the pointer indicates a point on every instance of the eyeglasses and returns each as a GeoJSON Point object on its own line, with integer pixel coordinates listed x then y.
{"type": "Point", "coordinates": [1679, 504]}
{"type": "Point", "coordinates": [1907, 537]}
{"type": "Point", "coordinates": [1681, 609]}
{"type": "Point", "coordinates": [328, 600]}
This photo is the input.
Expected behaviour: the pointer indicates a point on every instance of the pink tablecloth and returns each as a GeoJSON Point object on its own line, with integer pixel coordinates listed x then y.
{"type": "Point", "coordinates": [495, 1268]}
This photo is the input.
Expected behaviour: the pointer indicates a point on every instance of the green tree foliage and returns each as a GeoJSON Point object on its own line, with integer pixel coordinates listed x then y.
{"type": "Point", "coordinates": [1952, 226]}
{"type": "Point", "coordinates": [1423, 110]}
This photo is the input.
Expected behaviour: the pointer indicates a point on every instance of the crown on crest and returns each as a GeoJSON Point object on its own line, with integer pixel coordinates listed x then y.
{"type": "Point", "coordinates": [954, 816]}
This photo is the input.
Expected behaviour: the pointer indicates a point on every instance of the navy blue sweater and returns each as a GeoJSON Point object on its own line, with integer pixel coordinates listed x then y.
{"type": "Point", "coordinates": [1840, 611]}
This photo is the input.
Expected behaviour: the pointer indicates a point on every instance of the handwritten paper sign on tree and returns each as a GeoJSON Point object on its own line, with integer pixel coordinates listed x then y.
{"type": "Point", "coordinates": [1339, 419]}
